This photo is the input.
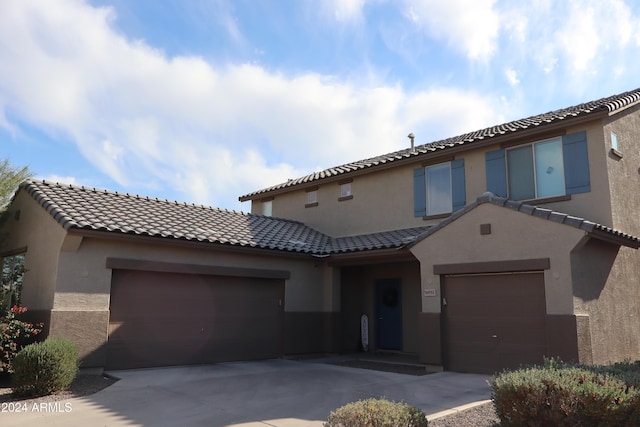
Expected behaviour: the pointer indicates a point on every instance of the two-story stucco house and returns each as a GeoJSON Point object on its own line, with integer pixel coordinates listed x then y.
{"type": "Point", "coordinates": [479, 252]}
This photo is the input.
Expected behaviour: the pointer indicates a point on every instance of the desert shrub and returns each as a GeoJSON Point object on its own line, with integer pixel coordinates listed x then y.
{"type": "Point", "coordinates": [377, 413]}
{"type": "Point", "coordinates": [45, 368]}
{"type": "Point", "coordinates": [566, 395]}
{"type": "Point", "coordinates": [14, 334]}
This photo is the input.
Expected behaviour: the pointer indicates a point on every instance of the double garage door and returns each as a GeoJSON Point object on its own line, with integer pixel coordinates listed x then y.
{"type": "Point", "coordinates": [163, 319]}
{"type": "Point", "coordinates": [493, 321]}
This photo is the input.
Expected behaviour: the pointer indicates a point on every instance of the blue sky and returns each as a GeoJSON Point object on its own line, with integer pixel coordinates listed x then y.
{"type": "Point", "coordinates": [203, 101]}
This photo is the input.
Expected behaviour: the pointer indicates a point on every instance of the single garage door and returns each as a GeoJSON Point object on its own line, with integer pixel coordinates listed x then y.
{"type": "Point", "coordinates": [163, 319]}
{"type": "Point", "coordinates": [493, 321]}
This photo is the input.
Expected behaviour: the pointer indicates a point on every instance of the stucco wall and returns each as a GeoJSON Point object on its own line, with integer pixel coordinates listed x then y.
{"type": "Point", "coordinates": [84, 280]}
{"type": "Point", "coordinates": [514, 236]}
{"type": "Point", "coordinates": [81, 304]}
{"type": "Point", "coordinates": [31, 226]}
{"type": "Point", "coordinates": [383, 200]}
{"type": "Point", "coordinates": [606, 290]}
{"type": "Point", "coordinates": [624, 172]}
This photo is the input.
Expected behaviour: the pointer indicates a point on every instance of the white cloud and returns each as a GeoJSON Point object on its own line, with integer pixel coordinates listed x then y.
{"type": "Point", "coordinates": [211, 132]}
{"type": "Point", "coordinates": [344, 10]}
{"type": "Point", "coordinates": [512, 76]}
{"type": "Point", "coordinates": [469, 26]}
{"type": "Point", "coordinates": [577, 37]}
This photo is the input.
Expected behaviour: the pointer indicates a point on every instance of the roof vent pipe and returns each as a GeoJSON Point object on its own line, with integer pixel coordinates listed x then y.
{"type": "Point", "coordinates": [413, 147]}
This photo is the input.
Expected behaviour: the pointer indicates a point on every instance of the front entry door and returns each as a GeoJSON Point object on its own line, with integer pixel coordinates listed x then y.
{"type": "Point", "coordinates": [389, 314]}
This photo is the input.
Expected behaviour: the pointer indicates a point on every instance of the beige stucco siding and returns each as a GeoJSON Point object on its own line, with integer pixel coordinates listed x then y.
{"type": "Point", "coordinates": [624, 173]}
{"type": "Point", "coordinates": [514, 236]}
{"type": "Point", "coordinates": [81, 306]}
{"type": "Point", "coordinates": [383, 199]}
{"type": "Point", "coordinates": [30, 226]}
{"type": "Point", "coordinates": [606, 290]}
{"type": "Point", "coordinates": [83, 275]}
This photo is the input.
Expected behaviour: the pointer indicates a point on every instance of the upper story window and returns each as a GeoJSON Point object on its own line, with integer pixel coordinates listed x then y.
{"type": "Point", "coordinates": [439, 189]}
{"type": "Point", "coordinates": [536, 171]}
{"type": "Point", "coordinates": [267, 208]}
{"type": "Point", "coordinates": [553, 167]}
{"type": "Point", "coordinates": [312, 198]}
{"type": "Point", "coordinates": [345, 189]}
{"type": "Point", "coordinates": [614, 141]}
{"type": "Point", "coordinates": [615, 148]}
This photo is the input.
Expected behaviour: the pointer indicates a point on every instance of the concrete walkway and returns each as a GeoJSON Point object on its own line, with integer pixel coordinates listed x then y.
{"type": "Point", "coordinates": [280, 393]}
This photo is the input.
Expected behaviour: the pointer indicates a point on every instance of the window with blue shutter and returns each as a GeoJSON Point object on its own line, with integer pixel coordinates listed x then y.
{"type": "Point", "coordinates": [576, 163]}
{"type": "Point", "coordinates": [496, 169]}
{"type": "Point", "coordinates": [458, 188]}
{"type": "Point", "coordinates": [548, 168]}
{"type": "Point", "coordinates": [439, 189]}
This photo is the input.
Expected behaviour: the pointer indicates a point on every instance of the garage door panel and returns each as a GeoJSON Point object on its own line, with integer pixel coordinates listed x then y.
{"type": "Point", "coordinates": [492, 322]}
{"type": "Point", "coordinates": [161, 319]}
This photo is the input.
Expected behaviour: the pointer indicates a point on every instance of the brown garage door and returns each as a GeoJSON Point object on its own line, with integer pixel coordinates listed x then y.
{"type": "Point", "coordinates": [163, 319]}
{"type": "Point", "coordinates": [493, 321]}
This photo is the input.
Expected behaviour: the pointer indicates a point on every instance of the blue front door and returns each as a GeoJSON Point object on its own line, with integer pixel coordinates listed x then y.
{"type": "Point", "coordinates": [389, 314]}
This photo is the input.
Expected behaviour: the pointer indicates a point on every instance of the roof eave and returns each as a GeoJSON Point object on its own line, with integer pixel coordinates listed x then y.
{"type": "Point", "coordinates": [614, 239]}
{"type": "Point", "coordinates": [195, 244]}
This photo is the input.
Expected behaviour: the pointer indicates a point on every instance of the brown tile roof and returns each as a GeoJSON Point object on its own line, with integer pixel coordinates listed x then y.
{"type": "Point", "coordinates": [593, 229]}
{"type": "Point", "coordinates": [604, 105]}
{"type": "Point", "coordinates": [86, 208]}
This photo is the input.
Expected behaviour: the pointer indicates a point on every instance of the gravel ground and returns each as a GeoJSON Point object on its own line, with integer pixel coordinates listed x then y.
{"type": "Point", "coordinates": [480, 416]}
{"type": "Point", "coordinates": [83, 385]}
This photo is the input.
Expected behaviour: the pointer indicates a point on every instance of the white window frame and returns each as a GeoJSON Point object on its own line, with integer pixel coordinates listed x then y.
{"type": "Point", "coordinates": [429, 196]}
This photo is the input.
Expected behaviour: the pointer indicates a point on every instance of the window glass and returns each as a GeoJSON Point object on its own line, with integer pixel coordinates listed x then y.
{"type": "Point", "coordinates": [536, 171]}
{"type": "Point", "coordinates": [549, 168]}
{"type": "Point", "coordinates": [11, 281]}
{"type": "Point", "coordinates": [439, 189]}
{"type": "Point", "coordinates": [267, 208]}
{"type": "Point", "coordinates": [614, 141]}
{"type": "Point", "coordinates": [312, 196]}
{"type": "Point", "coordinates": [520, 173]}
{"type": "Point", "coordinates": [345, 189]}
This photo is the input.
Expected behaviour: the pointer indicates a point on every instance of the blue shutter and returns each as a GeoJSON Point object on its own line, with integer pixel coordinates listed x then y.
{"type": "Point", "coordinates": [458, 190]}
{"type": "Point", "coordinates": [576, 163]}
{"type": "Point", "coordinates": [496, 170]}
{"type": "Point", "coordinates": [419, 193]}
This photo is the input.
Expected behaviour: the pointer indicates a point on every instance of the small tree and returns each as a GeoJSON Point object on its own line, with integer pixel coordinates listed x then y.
{"type": "Point", "coordinates": [10, 178]}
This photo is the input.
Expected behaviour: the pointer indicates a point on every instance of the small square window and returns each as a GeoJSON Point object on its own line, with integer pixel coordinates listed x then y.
{"type": "Point", "coordinates": [345, 190]}
{"type": "Point", "coordinates": [312, 197]}
{"type": "Point", "coordinates": [614, 141]}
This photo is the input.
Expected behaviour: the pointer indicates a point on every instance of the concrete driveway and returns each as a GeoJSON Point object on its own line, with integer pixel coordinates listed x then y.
{"type": "Point", "coordinates": [279, 393]}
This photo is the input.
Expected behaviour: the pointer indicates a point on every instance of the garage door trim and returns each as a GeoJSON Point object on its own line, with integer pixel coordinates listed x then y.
{"type": "Point", "coordinates": [493, 266]}
{"type": "Point", "coordinates": [209, 270]}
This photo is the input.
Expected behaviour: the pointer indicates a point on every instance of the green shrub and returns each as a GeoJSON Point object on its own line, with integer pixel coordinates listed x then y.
{"type": "Point", "coordinates": [14, 334]}
{"type": "Point", "coordinates": [377, 413]}
{"type": "Point", "coordinates": [45, 368]}
{"type": "Point", "coordinates": [566, 395]}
